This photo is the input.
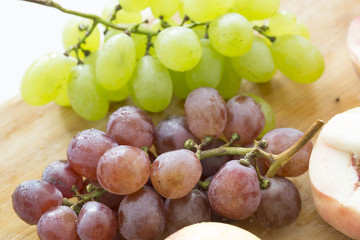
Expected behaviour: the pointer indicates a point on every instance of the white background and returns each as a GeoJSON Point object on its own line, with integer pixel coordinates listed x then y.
{"type": "Point", "coordinates": [28, 31]}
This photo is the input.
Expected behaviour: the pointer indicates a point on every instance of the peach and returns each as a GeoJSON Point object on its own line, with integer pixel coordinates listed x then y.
{"type": "Point", "coordinates": [212, 231]}
{"type": "Point", "coordinates": [334, 171]}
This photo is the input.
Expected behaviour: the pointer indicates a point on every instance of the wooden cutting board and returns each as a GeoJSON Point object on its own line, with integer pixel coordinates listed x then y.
{"type": "Point", "coordinates": [32, 137]}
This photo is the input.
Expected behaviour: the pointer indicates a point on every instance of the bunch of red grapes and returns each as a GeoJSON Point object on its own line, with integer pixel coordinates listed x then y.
{"type": "Point", "coordinates": [137, 180]}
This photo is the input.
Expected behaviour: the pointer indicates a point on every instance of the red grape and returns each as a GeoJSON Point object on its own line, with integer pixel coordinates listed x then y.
{"type": "Point", "coordinates": [63, 177]}
{"type": "Point", "coordinates": [205, 112]}
{"type": "Point", "coordinates": [171, 134]}
{"type": "Point", "coordinates": [175, 173]}
{"type": "Point", "coordinates": [85, 150]}
{"type": "Point", "coordinates": [33, 198]}
{"type": "Point", "coordinates": [281, 139]}
{"type": "Point", "coordinates": [280, 204]}
{"type": "Point", "coordinates": [132, 126]}
{"type": "Point", "coordinates": [123, 170]}
{"type": "Point", "coordinates": [96, 221]}
{"type": "Point", "coordinates": [141, 215]}
{"type": "Point", "coordinates": [245, 118]}
{"type": "Point", "coordinates": [58, 223]}
{"type": "Point", "coordinates": [192, 208]}
{"type": "Point", "coordinates": [234, 192]}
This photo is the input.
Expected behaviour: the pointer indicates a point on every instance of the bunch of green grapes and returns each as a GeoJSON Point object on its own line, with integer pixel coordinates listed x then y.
{"type": "Point", "coordinates": [183, 45]}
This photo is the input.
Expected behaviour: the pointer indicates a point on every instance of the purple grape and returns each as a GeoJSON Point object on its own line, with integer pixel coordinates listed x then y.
{"type": "Point", "coordinates": [58, 223]}
{"type": "Point", "coordinates": [31, 199]}
{"type": "Point", "coordinates": [63, 177]}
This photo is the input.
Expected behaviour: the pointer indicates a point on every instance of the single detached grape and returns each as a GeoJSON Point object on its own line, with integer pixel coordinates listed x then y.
{"type": "Point", "coordinates": [231, 34]}
{"type": "Point", "coordinates": [85, 150]}
{"type": "Point", "coordinates": [86, 97]}
{"type": "Point", "coordinates": [234, 191]}
{"type": "Point", "coordinates": [31, 199]}
{"type": "Point", "coordinates": [297, 58]}
{"type": "Point", "coordinates": [281, 139]}
{"type": "Point", "coordinates": [63, 177]}
{"type": "Point", "coordinates": [116, 62]}
{"type": "Point", "coordinates": [280, 204]}
{"type": "Point", "coordinates": [257, 65]}
{"type": "Point", "coordinates": [256, 9]}
{"type": "Point", "coordinates": [58, 223]}
{"type": "Point", "coordinates": [175, 173]}
{"type": "Point", "coordinates": [211, 165]}
{"type": "Point", "coordinates": [132, 126]}
{"type": "Point", "coordinates": [230, 81]}
{"type": "Point", "coordinates": [178, 48]}
{"type": "Point", "coordinates": [205, 112]}
{"type": "Point", "coordinates": [206, 10]}
{"type": "Point", "coordinates": [190, 209]}
{"type": "Point", "coordinates": [46, 78]}
{"type": "Point", "coordinates": [151, 85]}
{"type": "Point", "coordinates": [171, 134]}
{"type": "Point", "coordinates": [245, 118]}
{"type": "Point", "coordinates": [141, 215]}
{"type": "Point", "coordinates": [109, 199]}
{"type": "Point", "coordinates": [123, 170]}
{"type": "Point", "coordinates": [96, 221]}
{"type": "Point", "coordinates": [208, 71]}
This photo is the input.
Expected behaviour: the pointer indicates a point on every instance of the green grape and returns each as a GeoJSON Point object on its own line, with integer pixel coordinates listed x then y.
{"type": "Point", "coordinates": [231, 34]}
{"type": "Point", "coordinates": [230, 82]}
{"type": "Point", "coordinates": [268, 114]}
{"type": "Point", "coordinates": [181, 11]}
{"type": "Point", "coordinates": [165, 8]}
{"type": "Point", "coordinates": [282, 23]}
{"type": "Point", "coordinates": [135, 5]}
{"type": "Point", "coordinates": [156, 25]}
{"type": "Point", "coordinates": [118, 95]}
{"type": "Point", "coordinates": [121, 16]}
{"type": "Point", "coordinates": [151, 86]}
{"type": "Point", "coordinates": [44, 79]}
{"type": "Point", "coordinates": [297, 58]}
{"type": "Point", "coordinates": [256, 9]}
{"type": "Point", "coordinates": [85, 97]}
{"type": "Point", "coordinates": [91, 59]}
{"type": "Point", "coordinates": [200, 30]}
{"type": "Point", "coordinates": [140, 41]}
{"type": "Point", "coordinates": [116, 62]}
{"type": "Point", "coordinates": [62, 99]}
{"type": "Point", "coordinates": [180, 88]}
{"type": "Point", "coordinates": [178, 48]}
{"type": "Point", "coordinates": [72, 34]}
{"type": "Point", "coordinates": [208, 72]}
{"type": "Point", "coordinates": [206, 10]}
{"type": "Point", "coordinates": [257, 65]}
{"type": "Point", "coordinates": [301, 30]}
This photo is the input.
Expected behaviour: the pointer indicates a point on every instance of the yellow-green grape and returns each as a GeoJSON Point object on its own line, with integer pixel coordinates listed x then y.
{"type": "Point", "coordinates": [256, 9]}
{"type": "Point", "coordinates": [156, 25]}
{"type": "Point", "coordinates": [72, 34]}
{"type": "Point", "coordinates": [135, 5]}
{"type": "Point", "coordinates": [62, 99]}
{"type": "Point", "coordinates": [206, 10]}
{"type": "Point", "coordinates": [257, 65]}
{"type": "Point", "coordinates": [121, 16]}
{"type": "Point", "coordinates": [268, 114]}
{"type": "Point", "coordinates": [231, 34]}
{"type": "Point", "coordinates": [85, 97]}
{"type": "Point", "coordinates": [164, 8]}
{"type": "Point", "coordinates": [178, 48]}
{"type": "Point", "coordinates": [116, 62]}
{"type": "Point", "coordinates": [301, 30]}
{"type": "Point", "coordinates": [43, 80]}
{"type": "Point", "coordinates": [230, 82]}
{"type": "Point", "coordinates": [181, 11]}
{"type": "Point", "coordinates": [118, 95]}
{"type": "Point", "coordinates": [151, 86]}
{"type": "Point", "coordinates": [282, 23]}
{"type": "Point", "coordinates": [208, 72]}
{"type": "Point", "coordinates": [200, 30]}
{"type": "Point", "coordinates": [297, 58]}
{"type": "Point", "coordinates": [139, 41]}
{"type": "Point", "coordinates": [180, 88]}
{"type": "Point", "coordinates": [91, 59]}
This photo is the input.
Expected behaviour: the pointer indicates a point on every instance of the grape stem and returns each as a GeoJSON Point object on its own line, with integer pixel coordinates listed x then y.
{"type": "Point", "coordinates": [262, 31]}
{"type": "Point", "coordinates": [277, 161]}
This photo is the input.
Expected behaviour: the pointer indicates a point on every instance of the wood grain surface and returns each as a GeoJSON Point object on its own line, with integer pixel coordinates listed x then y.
{"type": "Point", "coordinates": [32, 137]}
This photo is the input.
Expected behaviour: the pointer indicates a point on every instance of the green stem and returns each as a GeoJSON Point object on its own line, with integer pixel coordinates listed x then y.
{"type": "Point", "coordinates": [95, 18]}
{"type": "Point", "coordinates": [262, 31]}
